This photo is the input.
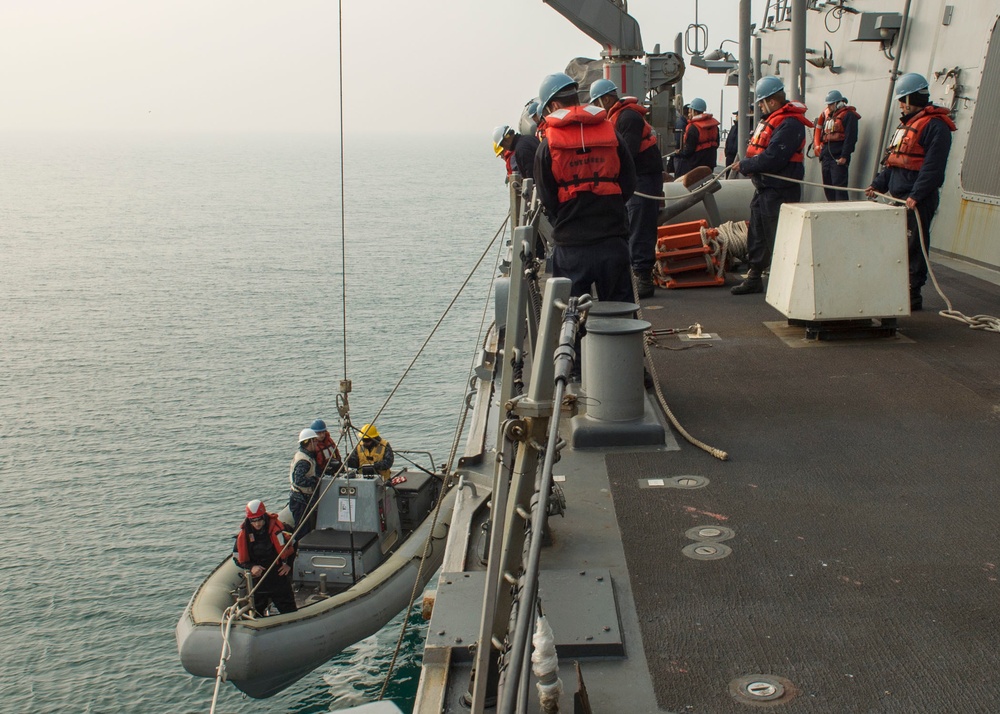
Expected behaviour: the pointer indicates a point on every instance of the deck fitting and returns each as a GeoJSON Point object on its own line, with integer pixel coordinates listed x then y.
{"type": "Point", "coordinates": [706, 551]}
{"type": "Point", "coordinates": [709, 534]}
{"type": "Point", "coordinates": [762, 689]}
{"type": "Point", "coordinates": [687, 481]}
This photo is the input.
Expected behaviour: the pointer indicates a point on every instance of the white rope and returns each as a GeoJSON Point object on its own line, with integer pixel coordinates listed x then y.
{"type": "Point", "coordinates": [987, 323]}
{"type": "Point", "coordinates": [227, 650]}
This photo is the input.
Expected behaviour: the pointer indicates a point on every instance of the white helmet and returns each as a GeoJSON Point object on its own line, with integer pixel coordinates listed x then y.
{"type": "Point", "coordinates": [306, 434]}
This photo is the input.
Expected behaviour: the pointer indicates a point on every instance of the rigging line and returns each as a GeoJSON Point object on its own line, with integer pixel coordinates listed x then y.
{"type": "Point", "coordinates": [460, 427]}
{"type": "Point", "coordinates": [343, 203]}
{"type": "Point", "coordinates": [434, 329]}
{"type": "Point", "coordinates": [447, 469]}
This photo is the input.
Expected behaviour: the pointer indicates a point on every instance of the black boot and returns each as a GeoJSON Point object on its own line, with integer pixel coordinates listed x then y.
{"type": "Point", "coordinates": [753, 284]}
{"type": "Point", "coordinates": [643, 283]}
{"type": "Point", "coordinates": [916, 300]}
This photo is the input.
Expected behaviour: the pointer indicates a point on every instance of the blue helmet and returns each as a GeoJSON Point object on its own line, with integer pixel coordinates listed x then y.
{"type": "Point", "coordinates": [911, 83]}
{"type": "Point", "coordinates": [834, 96]}
{"type": "Point", "coordinates": [698, 105]}
{"type": "Point", "coordinates": [601, 88]}
{"type": "Point", "coordinates": [552, 85]}
{"type": "Point", "coordinates": [533, 108]}
{"type": "Point", "coordinates": [766, 86]}
{"type": "Point", "coordinates": [318, 426]}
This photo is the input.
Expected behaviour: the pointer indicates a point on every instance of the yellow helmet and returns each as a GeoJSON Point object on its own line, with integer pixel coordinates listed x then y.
{"type": "Point", "coordinates": [368, 431]}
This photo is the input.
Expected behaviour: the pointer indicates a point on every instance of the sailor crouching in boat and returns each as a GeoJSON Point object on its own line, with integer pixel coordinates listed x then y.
{"type": "Point", "coordinates": [914, 169]}
{"type": "Point", "coordinates": [373, 451]}
{"type": "Point", "coordinates": [303, 476]}
{"type": "Point", "coordinates": [261, 540]}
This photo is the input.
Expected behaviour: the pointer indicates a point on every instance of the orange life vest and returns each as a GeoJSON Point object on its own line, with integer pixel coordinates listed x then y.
{"type": "Point", "coordinates": [631, 103]}
{"type": "Point", "coordinates": [905, 151]}
{"type": "Point", "coordinates": [584, 149]}
{"type": "Point", "coordinates": [279, 539]}
{"type": "Point", "coordinates": [507, 157]}
{"type": "Point", "coordinates": [762, 135]}
{"type": "Point", "coordinates": [708, 131]}
{"type": "Point", "coordinates": [831, 128]}
{"type": "Point", "coordinates": [327, 450]}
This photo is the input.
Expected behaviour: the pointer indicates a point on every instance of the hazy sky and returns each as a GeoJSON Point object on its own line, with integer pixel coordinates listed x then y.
{"type": "Point", "coordinates": [222, 65]}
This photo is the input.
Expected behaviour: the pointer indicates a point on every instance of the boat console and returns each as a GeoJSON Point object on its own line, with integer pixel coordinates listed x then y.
{"type": "Point", "coordinates": [359, 522]}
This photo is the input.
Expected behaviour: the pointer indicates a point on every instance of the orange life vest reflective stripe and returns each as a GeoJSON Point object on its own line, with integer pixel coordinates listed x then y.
{"type": "Point", "coordinates": [584, 149]}
{"type": "Point", "coordinates": [631, 103]}
{"type": "Point", "coordinates": [831, 128]}
{"type": "Point", "coordinates": [765, 130]}
{"type": "Point", "coordinates": [708, 132]}
{"type": "Point", "coordinates": [279, 539]}
{"type": "Point", "coordinates": [905, 151]}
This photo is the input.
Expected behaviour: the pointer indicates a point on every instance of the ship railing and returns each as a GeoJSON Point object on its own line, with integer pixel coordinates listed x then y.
{"type": "Point", "coordinates": [528, 444]}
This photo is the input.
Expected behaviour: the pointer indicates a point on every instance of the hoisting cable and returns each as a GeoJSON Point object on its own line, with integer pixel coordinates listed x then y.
{"type": "Point", "coordinates": [343, 202]}
{"type": "Point", "coordinates": [987, 323]}
{"type": "Point", "coordinates": [447, 469]}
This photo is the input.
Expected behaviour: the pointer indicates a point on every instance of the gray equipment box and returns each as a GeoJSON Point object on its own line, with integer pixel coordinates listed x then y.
{"type": "Point", "coordinates": [342, 556]}
{"type": "Point", "coordinates": [415, 498]}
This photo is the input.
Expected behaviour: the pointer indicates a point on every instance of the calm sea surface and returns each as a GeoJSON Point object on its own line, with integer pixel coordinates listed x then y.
{"type": "Point", "coordinates": [170, 318]}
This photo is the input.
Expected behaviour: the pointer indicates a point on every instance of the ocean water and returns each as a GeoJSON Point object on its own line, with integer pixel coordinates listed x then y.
{"type": "Point", "coordinates": [171, 316]}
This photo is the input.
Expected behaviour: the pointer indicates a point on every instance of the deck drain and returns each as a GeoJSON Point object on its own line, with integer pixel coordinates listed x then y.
{"type": "Point", "coordinates": [712, 534]}
{"type": "Point", "coordinates": [762, 689]}
{"type": "Point", "coordinates": [706, 551]}
{"type": "Point", "coordinates": [674, 482]}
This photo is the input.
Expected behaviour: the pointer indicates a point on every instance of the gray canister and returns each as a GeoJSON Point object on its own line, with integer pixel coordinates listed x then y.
{"type": "Point", "coordinates": [612, 368]}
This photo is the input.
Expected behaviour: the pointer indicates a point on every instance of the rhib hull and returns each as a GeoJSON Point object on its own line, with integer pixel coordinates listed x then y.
{"type": "Point", "coordinates": [271, 653]}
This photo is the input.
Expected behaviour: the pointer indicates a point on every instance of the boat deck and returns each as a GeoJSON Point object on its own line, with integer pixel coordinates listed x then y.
{"type": "Point", "coordinates": [859, 571]}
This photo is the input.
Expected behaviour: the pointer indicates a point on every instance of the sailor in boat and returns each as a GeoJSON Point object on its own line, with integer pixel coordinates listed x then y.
{"type": "Point", "coordinates": [262, 540]}
{"type": "Point", "coordinates": [372, 453]}
{"type": "Point", "coordinates": [776, 147]}
{"type": "Point", "coordinates": [327, 454]}
{"type": "Point", "coordinates": [914, 169]}
{"type": "Point", "coordinates": [834, 138]}
{"type": "Point", "coordinates": [584, 175]}
{"type": "Point", "coordinates": [629, 118]}
{"type": "Point", "coordinates": [303, 474]}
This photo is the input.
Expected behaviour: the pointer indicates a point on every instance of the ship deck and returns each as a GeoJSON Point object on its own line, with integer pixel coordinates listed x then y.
{"type": "Point", "coordinates": [859, 505]}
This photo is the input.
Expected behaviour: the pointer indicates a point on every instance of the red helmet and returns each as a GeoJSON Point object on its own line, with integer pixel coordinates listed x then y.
{"type": "Point", "coordinates": [256, 509]}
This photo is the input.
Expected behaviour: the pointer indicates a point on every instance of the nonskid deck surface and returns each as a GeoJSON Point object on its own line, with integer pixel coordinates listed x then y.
{"type": "Point", "coordinates": [861, 492]}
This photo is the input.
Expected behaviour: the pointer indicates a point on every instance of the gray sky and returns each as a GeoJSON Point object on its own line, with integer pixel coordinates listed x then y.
{"type": "Point", "coordinates": [255, 65]}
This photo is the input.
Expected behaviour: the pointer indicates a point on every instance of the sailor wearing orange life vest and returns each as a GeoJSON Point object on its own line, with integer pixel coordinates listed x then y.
{"type": "Point", "coordinates": [327, 454]}
{"type": "Point", "coordinates": [700, 146]}
{"type": "Point", "coordinates": [261, 541]}
{"type": "Point", "coordinates": [629, 119]}
{"type": "Point", "coordinates": [914, 168]}
{"type": "Point", "coordinates": [521, 147]}
{"type": "Point", "coordinates": [834, 138]}
{"type": "Point", "coordinates": [584, 174]}
{"type": "Point", "coordinates": [776, 147]}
